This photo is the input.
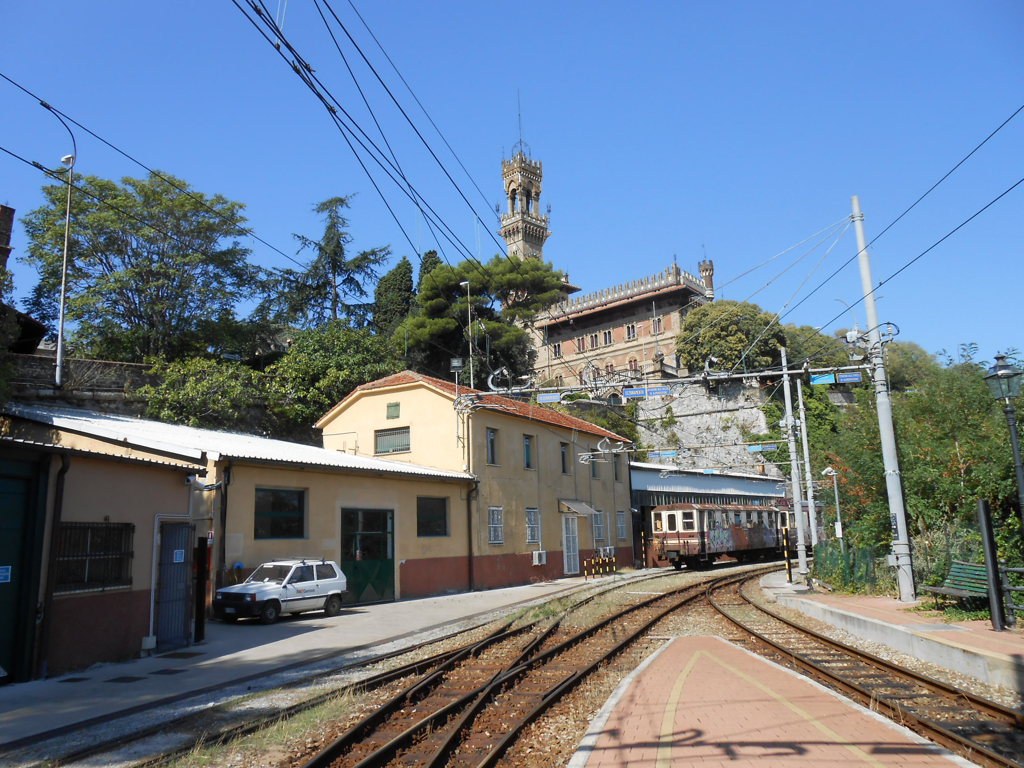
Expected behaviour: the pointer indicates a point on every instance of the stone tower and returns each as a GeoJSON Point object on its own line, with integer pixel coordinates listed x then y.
{"type": "Point", "coordinates": [523, 227]}
{"type": "Point", "coordinates": [707, 275]}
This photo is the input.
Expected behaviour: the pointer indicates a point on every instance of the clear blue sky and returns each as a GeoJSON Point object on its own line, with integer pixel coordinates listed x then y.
{"type": "Point", "coordinates": [665, 127]}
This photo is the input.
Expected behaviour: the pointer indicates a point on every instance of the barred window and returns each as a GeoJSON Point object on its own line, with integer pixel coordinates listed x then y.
{"type": "Point", "coordinates": [391, 440]}
{"type": "Point", "coordinates": [94, 556]}
{"type": "Point", "coordinates": [280, 513]}
{"type": "Point", "coordinates": [532, 526]}
{"type": "Point", "coordinates": [495, 526]}
{"type": "Point", "coordinates": [431, 516]}
{"type": "Point", "coordinates": [598, 526]}
{"type": "Point", "coordinates": [620, 519]}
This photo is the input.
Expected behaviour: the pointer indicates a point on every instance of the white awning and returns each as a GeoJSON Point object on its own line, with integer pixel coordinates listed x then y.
{"type": "Point", "coordinates": [579, 507]}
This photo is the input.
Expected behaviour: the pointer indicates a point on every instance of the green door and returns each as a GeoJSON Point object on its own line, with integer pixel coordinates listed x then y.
{"type": "Point", "coordinates": [368, 554]}
{"type": "Point", "coordinates": [20, 559]}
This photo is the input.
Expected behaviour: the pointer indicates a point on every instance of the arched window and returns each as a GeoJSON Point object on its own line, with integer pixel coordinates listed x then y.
{"type": "Point", "coordinates": [609, 368]}
{"type": "Point", "coordinates": [559, 382]}
{"type": "Point", "coordinates": [583, 381]}
{"type": "Point", "coordinates": [633, 365]}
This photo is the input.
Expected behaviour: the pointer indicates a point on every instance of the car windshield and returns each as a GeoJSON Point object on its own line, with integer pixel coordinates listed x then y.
{"type": "Point", "coordinates": [270, 573]}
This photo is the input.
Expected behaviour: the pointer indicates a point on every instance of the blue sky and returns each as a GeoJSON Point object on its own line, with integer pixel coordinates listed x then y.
{"type": "Point", "coordinates": [665, 129]}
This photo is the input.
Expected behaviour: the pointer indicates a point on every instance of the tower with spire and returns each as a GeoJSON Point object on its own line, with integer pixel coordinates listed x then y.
{"type": "Point", "coordinates": [523, 227]}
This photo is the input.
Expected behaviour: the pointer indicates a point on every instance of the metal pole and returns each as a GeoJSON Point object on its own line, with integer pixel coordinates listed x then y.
{"type": "Point", "coordinates": [839, 518]}
{"type": "Point", "coordinates": [890, 460]}
{"type": "Point", "coordinates": [1011, 421]}
{"type": "Point", "coordinates": [801, 545]}
{"type": "Point", "coordinates": [59, 376]}
{"type": "Point", "coordinates": [469, 330]}
{"type": "Point", "coordinates": [988, 543]}
{"type": "Point", "coordinates": [807, 464]}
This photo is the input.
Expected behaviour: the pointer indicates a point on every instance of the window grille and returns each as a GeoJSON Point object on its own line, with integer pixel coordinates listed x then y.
{"type": "Point", "coordinates": [621, 520]}
{"type": "Point", "coordinates": [598, 526]}
{"type": "Point", "coordinates": [94, 556]}
{"type": "Point", "coordinates": [495, 526]}
{"type": "Point", "coordinates": [394, 410]}
{"type": "Point", "coordinates": [532, 526]}
{"type": "Point", "coordinates": [391, 440]}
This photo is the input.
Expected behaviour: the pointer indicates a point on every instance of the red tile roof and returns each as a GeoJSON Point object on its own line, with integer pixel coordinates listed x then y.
{"type": "Point", "coordinates": [524, 410]}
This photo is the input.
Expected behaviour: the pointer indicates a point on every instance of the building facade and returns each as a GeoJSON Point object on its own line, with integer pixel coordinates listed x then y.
{"type": "Point", "coordinates": [613, 336]}
{"type": "Point", "coordinates": [537, 511]}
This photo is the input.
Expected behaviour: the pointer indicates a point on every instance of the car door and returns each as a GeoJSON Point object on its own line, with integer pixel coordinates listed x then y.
{"type": "Point", "coordinates": [326, 580]}
{"type": "Point", "coordinates": [299, 591]}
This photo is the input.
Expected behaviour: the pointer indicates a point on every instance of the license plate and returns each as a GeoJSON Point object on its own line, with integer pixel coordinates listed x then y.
{"type": "Point", "coordinates": [229, 610]}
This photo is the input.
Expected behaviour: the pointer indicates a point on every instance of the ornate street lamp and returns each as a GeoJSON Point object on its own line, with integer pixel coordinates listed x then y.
{"type": "Point", "coordinates": [1004, 382]}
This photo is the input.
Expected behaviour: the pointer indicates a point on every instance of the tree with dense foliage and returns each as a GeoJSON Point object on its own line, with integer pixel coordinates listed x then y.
{"type": "Point", "coordinates": [504, 296]}
{"type": "Point", "coordinates": [806, 342]}
{"type": "Point", "coordinates": [152, 271]}
{"type": "Point", "coordinates": [428, 263]}
{"type": "Point", "coordinates": [729, 334]}
{"type": "Point", "coordinates": [335, 284]}
{"type": "Point", "coordinates": [8, 334]}
{"type": "Point", "coordinates": [393, 298]}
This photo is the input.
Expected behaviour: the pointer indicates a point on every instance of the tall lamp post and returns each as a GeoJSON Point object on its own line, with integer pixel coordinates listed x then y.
{"type": "Point", "coordinates": [1004, 383]}
{"type": "Point", "coordinates": [469, 328]}
{"type": "Point", "coordinates": [69, 163]}
{"type": "Point", "coordinates": [829, 472]}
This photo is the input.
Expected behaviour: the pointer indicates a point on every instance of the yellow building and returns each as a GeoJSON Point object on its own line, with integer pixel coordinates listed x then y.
{"type": "Point", "coordinates": [549, 493]}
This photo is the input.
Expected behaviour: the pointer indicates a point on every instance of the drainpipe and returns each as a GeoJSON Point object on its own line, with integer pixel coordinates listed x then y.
{"type": "Point", "coordinates": [51, 568]}
{"type": "Point", "coordinates": [469, 499]}
{"type": "Point", "coordinates": [223, 548]}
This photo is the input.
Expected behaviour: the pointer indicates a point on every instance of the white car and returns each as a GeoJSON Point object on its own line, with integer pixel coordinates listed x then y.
{"type": "Point", "coordinates": [283, 586]}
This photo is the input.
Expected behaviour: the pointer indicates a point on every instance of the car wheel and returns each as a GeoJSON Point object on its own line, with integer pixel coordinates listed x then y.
{"type": "Point", "coordinates": [270, 612]}
{"type": "Point", "coordinates": [333, 605]}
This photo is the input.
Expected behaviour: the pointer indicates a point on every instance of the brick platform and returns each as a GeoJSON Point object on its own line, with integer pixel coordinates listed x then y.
{"type": "Point", "coordinates": [704, 701]}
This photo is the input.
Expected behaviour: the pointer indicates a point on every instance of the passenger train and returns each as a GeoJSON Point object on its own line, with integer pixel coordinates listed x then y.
{"type": "Point", "coordinates": [696, 535]}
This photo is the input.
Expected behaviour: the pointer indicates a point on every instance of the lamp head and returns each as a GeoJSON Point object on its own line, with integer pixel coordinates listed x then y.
{"type": "Point", "coordinates": [1003, 379]}
{"type": "Point", "coordinates": [465, 284]}
{"type": "Point", "coordinates": [68, 160]}
{"type": "Point", "coordinates": [828, 472]}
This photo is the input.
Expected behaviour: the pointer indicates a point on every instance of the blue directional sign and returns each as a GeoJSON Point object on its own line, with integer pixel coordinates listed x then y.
{"type": "Point", "coordinates": [634, 392]}
{"type": "Point", "coordinates": [654, 454]}
{"type": "Point", "coordinates": [549, 397]}
{"type": "Point", "coordinates": [668, 454]}
{"type": "Point", "coordinates": [657, 391]}
{"type": "Point", "coordinates": [759, 448]}
{"type": "Point", "coordinates": [823, 378]}
{"type": "Point", "coordinates": [849, 377]}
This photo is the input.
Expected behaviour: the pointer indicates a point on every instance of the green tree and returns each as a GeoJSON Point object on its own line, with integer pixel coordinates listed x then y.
{"type": "Point", "coordinates": [324, 365]}
{"type": "Point", "coordinates": [736, 334]}
{"type": "Point", "coordinates": [504, 297]}
{"type": "Point", "coordinates": [428, 263]}
{"type": "Point", "coordinates": [393, 298]}
{"type": "Point", "coordinates": [8, 333]}
{"type": "Point", "coordinates": [806, 342]}
{"type": "Point", "coordinates": [334, 285]}
{"type": "Point", "coordinates": [152, 271]}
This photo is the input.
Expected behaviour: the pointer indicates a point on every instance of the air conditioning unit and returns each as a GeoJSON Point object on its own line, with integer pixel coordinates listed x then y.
{"type": "Point", "coordinates": [540, 557]}
{"type": "Point", "coordinates": [608, 552]}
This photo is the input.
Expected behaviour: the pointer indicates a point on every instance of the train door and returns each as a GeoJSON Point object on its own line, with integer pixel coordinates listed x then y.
{"type": "Point", "coordinates": [571, 545]}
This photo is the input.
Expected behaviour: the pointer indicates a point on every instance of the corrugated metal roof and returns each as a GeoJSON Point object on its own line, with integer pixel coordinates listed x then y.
{"type": "Point", "coordinates": [52, 448]}
{"type": "Point", "coordinates": [193, 442]}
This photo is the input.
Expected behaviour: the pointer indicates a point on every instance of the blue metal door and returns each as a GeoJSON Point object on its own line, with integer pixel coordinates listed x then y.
{"type": "Point", "coordinates": [174, 590]}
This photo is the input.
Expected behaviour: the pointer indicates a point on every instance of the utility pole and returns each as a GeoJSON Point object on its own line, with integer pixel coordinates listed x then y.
{"type": "Point", "coordinates": [890, 461]}
{"type": "Point", "coordinates": [807, 464]}
{"type": "Point", "coordinates": [469, 328]}
{"type": "Point", "coordinates": [801, 541]}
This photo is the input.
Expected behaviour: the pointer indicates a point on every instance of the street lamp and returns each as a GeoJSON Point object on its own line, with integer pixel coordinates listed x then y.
{"type": "Point", "coordinates": [69, 163]}
{"type": "Point", "coordinates": [469, 328]}
{"type": "Point", "coordinates": [829, 472]}
{"type": "Point", "coordinates": [1004, 383]}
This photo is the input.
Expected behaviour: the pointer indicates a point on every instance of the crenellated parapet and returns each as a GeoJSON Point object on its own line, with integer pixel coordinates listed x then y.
{"type": "Point", "coordinates": [668, 278]}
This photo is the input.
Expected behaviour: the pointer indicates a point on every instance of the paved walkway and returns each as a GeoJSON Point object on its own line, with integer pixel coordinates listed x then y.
{"type": "Point", "coordinates": [704, 701]}
{"type": "Point", "coordinates": [245, 655]}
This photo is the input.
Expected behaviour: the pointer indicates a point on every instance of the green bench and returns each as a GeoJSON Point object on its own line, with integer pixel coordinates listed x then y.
{"type": "Point", "coordinates": [964, 580]}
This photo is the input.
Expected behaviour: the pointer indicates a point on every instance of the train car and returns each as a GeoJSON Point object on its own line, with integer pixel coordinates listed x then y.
{"type": "Point", "coordinates": [698, 534]}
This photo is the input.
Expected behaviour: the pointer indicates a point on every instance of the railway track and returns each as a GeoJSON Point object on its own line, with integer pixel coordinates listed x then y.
{"type": "Point", "coordinates": [207, 729]}
{"type": "Point", "coordinates": [974, 727]}
{"type": "Point", "coordinates": [470, 718]}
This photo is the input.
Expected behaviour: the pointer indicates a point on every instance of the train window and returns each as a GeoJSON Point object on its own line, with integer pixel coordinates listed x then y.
{"type": "Point", "coordinates": [671, 518]}
{"type": "Point", "coordinates": [784, 519]}
{"type": "Point", "coordinates": [688, 523]}
{"type": "Point", "coordinates": [657, 521]}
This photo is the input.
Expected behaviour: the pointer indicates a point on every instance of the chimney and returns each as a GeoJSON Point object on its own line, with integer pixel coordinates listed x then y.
{"type": "Point", "coordinates": [6, 228]}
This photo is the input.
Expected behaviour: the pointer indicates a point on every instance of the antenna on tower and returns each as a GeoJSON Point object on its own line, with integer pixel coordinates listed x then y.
{"type": "Point", "coordinates": [521, 146]}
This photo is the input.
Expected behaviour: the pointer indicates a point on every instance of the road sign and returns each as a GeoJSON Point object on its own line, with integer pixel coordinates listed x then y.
{"type": "Point", "coordinates": [668, 454]}
{"type": "Point", "coordinates": [823, 378]}
{"type": "Point", "coordinates": [849, 377]}
{"type": "Point", "coordinates": [657, 391]}
{"type": "Point", "coordinates": [549, 397]}
{"type": "Point", "coordinates": [634, 392]}
{"type": "Point", "coordinates": [654, 454]}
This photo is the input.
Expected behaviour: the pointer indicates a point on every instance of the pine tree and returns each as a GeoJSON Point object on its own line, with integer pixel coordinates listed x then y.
{"type": "Point", "coordinates": [393, 298]}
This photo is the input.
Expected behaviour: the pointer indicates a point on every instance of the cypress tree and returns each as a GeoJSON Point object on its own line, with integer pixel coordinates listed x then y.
{"type": "Point", "coordinates": [428, 264]}
{"type": "Point", "coordinates": [393, 298]}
